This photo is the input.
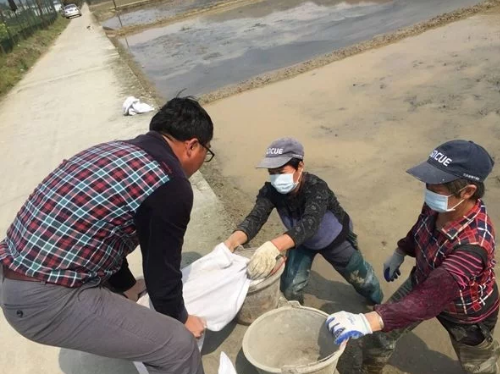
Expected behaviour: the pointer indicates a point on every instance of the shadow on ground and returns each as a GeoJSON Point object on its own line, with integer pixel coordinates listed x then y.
{"type": "Point", "coordinates": [331, 296]}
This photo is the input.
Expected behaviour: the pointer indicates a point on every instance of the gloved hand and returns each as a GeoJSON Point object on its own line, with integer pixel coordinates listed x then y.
{"type": "Point", "coordinates": [392, 264]}
{"type": "Point", "coordinates": [263, 261]}
{"type": "Point", "coordinates": [345, 325]}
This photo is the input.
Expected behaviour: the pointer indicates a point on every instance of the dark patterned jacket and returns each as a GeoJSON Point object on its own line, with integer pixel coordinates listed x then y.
{"type": "Point", "coordinates": [312, 215]}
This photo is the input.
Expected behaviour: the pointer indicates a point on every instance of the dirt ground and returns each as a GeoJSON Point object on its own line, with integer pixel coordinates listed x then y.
{"type": "Point", "coordinates": [363, 121]}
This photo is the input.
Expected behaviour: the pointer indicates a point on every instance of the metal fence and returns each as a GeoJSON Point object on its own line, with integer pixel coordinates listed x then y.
{"type": "Point", "coordinates": [19, 19]}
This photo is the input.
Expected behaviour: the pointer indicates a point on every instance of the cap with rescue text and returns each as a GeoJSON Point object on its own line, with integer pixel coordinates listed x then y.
{"type": "Point", "coordinates": [454, 160]}
{"type": "Point", "coordinates": [280, 152]}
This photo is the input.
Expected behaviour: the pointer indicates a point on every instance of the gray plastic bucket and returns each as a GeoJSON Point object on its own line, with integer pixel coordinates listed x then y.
{"type": "Point", "coordinates": [292, 340]}
{"type": "Point", "coordinates": [262, 297]}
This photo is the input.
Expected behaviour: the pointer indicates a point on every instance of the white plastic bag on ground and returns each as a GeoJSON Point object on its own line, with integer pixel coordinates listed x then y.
{"type": "Point", "coordinates": [214, 288]}
{"type": "Point", "coordinates": [225, 365]}
{"type": "Point", "coordinates": [133, 106]}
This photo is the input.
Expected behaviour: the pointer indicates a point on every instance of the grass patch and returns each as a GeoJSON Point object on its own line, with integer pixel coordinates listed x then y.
{"type": "Point", "coordinates": [14, 65]}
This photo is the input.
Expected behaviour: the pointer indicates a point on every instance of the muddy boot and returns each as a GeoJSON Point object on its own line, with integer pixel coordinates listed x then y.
{"type": "Point", "coordinates": [478, 359]}
{"type": "Point", "coordinates": [372, 367]}
{"type": "Point", "coordinates": [361, 276]}
{"type": "Point", "coordinates": [377, 350]}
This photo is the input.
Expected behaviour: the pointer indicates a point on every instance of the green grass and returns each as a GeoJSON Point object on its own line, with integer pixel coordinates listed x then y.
{"type": "Point", "coordinates": [14, 65]}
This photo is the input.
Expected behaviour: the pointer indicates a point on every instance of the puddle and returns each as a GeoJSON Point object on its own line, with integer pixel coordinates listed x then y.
{"type": "Point", "coordinates": [208, 52]}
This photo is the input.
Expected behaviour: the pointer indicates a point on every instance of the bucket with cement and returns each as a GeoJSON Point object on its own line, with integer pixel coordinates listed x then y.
{"type": "Point", "coordinates": [292, 340]}
{"type": "Point", "coordinates": [262, 296]}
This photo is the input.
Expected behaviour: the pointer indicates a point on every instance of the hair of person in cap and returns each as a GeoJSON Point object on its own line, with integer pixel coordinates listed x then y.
{"type": "Point", "coordinates": [294, 163]}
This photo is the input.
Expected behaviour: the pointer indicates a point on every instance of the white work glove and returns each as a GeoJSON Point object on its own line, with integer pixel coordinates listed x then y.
{"type": "Point", "coordinates": [263, 261]}
{"type": "Point", "coordinates": [392, 264]}
{"type": "Point", "coordinates": [345, 325]}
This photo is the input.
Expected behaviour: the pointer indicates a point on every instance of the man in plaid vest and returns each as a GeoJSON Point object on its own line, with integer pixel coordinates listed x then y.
{"type": "Point", "coordinates": [71, 237]}
{"type": "Point", "coordinates": [453, 242]}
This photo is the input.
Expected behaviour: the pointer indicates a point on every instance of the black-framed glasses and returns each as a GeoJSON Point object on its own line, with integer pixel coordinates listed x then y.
{"type": "Point", "coordinates": [210, 155]}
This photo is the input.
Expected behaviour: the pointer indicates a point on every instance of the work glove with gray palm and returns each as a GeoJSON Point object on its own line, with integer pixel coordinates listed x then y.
{"type": "Point", "coordinates": [263, 261]}
{"type": "Point", "coordinates": [392, 264]}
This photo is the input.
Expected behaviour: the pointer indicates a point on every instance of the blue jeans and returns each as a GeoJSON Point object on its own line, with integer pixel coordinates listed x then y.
{"type": "Point", "coordinates": [344, 257]}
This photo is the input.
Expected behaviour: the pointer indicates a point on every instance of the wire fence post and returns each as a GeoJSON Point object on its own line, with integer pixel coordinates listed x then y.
{"type": "Point", "coordinates": [32, 11]}
{"type": "Point", "coordinates": [41, 13]}
{"type": "Point", "coordinates": [23, 14]}
{"type": "Point", "coordinates": [19, 20]}
{"type": "Point", "coordinates": [2, 18]}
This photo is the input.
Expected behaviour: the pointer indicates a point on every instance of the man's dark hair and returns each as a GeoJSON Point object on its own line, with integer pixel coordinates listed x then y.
{"type": "Point", "coordinates": [183, 118]}
{"type": "Point", "coordinates": [455, 186]}
{"type": "Point", "coordinates": [294, 163]}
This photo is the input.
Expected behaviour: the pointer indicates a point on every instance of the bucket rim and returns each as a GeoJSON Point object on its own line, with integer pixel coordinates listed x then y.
{"type": "Point", "coordinates": [317, 365]}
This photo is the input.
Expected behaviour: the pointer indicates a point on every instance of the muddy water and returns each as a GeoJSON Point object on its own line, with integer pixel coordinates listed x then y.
{"type": "Point", "coordinates": [212, 51]}
{"type": "Point", "coordinates": [154, 13]}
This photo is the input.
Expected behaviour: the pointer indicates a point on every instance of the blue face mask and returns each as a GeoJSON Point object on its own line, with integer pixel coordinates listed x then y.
{"type": "Point", "coordinates": [439, 203]}
{"type": "Point", "coordinates": [283, 183]}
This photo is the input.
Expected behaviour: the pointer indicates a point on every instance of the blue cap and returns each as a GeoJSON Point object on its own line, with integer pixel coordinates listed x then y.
{"type": "Point", "coordinates": [454, 160]}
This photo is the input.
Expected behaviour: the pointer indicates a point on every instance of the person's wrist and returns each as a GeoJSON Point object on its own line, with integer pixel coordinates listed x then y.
{"type": "Point", "coordinates": [400, 252]}
{"type": "Point", "coordinates": [231, 244]}
{"type": "Point", "coordinates": [375, 321]}
{"type": "Point", "coordinates": [276, 245]}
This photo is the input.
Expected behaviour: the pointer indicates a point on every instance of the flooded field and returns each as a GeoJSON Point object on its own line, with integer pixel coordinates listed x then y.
{"type": "Point", "coordinates": [151, 14]}
{"type": "Point", "coordinates": [208, 52]}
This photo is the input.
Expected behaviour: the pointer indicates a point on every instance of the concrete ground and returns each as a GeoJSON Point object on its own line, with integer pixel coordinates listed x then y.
{"type": "Point", "coordinates": [72, 99]}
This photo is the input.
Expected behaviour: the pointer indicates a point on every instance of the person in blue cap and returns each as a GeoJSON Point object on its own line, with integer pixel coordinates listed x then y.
{"type": "Point", "coordinates": [453, 243]}
{"type": "Point", "coordinates": [315, 221]}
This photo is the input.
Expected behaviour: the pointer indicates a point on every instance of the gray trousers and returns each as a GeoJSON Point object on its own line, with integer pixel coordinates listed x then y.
{"type": "Point", "coordinates": [476, 354]}
{"type": "Point", "coordinates": [95, 320]}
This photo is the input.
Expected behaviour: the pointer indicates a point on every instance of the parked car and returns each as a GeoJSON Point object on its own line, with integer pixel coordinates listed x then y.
{"type": "Point", "coordinates": [71, 11]}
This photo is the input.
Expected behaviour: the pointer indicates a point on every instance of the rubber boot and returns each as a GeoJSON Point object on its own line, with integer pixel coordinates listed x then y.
{"type": "Point", "coordinates": [361, 276]}
{"type": "Point", "coordinates": [478, 359]}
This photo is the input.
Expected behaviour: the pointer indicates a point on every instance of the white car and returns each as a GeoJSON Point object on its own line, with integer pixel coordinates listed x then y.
{"type": "Point", "coordinates": [71, 11]}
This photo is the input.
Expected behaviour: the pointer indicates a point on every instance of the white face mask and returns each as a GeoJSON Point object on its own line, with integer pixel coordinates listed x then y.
{"type": "Point", "coordinates": [283, 183]}
{"type": "Point", "coordinates": [439, 203]}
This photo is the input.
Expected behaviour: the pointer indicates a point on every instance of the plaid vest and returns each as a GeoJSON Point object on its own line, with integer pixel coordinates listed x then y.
{"type": "Point", "coordinates": [433, 246]}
